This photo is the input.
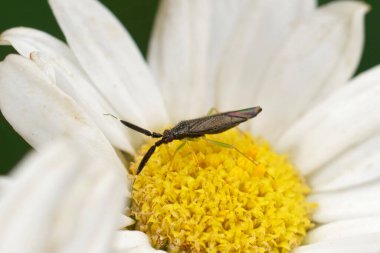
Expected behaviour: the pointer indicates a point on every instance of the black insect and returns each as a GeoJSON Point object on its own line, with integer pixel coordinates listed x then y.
{"type": "Point", "coordinates": [194, 128]}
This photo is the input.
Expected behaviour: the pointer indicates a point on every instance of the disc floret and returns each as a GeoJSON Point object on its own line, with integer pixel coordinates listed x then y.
{"type": "Point", "coordinates": [208, 198]}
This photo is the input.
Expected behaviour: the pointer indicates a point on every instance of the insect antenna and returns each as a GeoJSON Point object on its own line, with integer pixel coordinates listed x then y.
{"type": "Point", "coordinates": [136, 128]}
{"type": "Point", "coordinates": [141, 130]}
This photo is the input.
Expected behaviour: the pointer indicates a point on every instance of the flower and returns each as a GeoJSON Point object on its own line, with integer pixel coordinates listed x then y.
{"type": "Point", "coordinates": [293, 59]}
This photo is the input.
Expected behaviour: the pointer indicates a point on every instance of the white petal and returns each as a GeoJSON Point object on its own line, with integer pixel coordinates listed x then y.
{"type": "Point", "coordinates": [130, 239]}
{"type": "Point", "coordinates": [224, 17]}
{"type": "Point", "coordinates": [26, 40]}
{"type": "Point", "coordinates": [142, 249]}
{"type": "Point", "coordinates": [178, 57]}
{"type": "Point", "coordinates": [359, 165]}
{"type": "Point", "coordinates": [358, 202]}
{"type": "Point", "coordinates": [54, 57]}
{"type": "Point", "coordinates": [40, 112]}
{"type": "Point", "coordinates": [56, 203]}
{"type": "Point", "coordinates": [30, 101]}
{"type": "Point", "coordinates": [367, 244]}
{"type": "Point", "coordinates": [106, 194]}
{"type": "Point", "coordinates": [353, 13]}
{"type": "Point", "coordinates": [125, 221]}
{"type": "Point", "coordinates": [260, 32]}
{"type": "Point", "coordinates": [112, 61]}
{"type": "Point", "coordinates": [319, 56]}
{"type": "Point", "coordinates": [5, 182]}
{"type": "Point", "coordinates": [344, 120]}
{"type": "Point", "coordinates": [73, 83]}
{"type": "Point", "coordinates": [343, 229]}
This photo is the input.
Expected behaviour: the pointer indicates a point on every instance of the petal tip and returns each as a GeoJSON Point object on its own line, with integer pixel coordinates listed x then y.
{"type": "Point", "coordinates": [347, 8]}
{"type": "Point", "coordinates": [9, 33]}
{"type": "Point", "coordinates": [3, 39]}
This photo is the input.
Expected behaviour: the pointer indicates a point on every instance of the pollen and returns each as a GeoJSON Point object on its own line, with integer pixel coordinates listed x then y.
{"type": "Point", "coordinates": [223, 193]}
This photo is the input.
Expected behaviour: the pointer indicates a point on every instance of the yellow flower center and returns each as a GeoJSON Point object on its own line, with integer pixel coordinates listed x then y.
{"type": "Point", "coordinates": [200, 196]}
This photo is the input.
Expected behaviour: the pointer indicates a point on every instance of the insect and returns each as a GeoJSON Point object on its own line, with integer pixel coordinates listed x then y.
{"type": "Point", "coordinates": [194, 128]}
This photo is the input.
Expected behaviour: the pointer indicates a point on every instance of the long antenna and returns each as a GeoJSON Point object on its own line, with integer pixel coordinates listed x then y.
{"type": "Point", "coordinates": [141, 130]}
{"type": "Point", "coordinates": [136, 128]}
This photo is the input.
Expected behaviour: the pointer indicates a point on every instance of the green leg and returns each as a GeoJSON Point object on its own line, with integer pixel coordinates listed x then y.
{"type": "Point", "coordinates": [184, 142]}
{"type": "Point", "coordinates": [212, 111]}
{"type": "Point", "coordinates": [226, 145]}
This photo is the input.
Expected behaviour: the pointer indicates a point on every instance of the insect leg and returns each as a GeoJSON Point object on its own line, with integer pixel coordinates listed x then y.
{"type": "Point", "coordinates": [226, 145]}
{"type": "Point", "coordinates": [141, 130]}
{"type": "Point", "coordinates": [185, 142]}
{"type": "Point", "coordinates": [179, 147]}
{"type": "Point", "coordinates": [148, 155]}
{"type": "Point", "coordinates": [194, 155]}
{"type": "Point", "coordinates": [212, 111]}
{"type": "Point", "coordinates": [176, 151]}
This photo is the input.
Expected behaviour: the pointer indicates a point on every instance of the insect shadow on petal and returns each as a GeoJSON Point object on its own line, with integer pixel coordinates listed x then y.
{"type": "Point", "coordinates": [194, 128]}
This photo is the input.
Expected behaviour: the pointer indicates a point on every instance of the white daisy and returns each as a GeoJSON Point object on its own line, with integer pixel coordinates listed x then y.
{"type": "Point", "coordinates": [291, 58]}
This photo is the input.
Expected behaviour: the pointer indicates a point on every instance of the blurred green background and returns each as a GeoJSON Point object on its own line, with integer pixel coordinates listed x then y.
{"type": "Point", "coordinates": [137, 16]}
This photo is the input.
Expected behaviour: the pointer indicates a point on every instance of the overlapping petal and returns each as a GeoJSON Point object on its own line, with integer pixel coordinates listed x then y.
{"type": "Point", "coordinates": [118, 71]}
{"type": "Point", "coordinates": [366, 243]}
{"type": "Point", "coordinates": [320, 55]}
{"type": "Point", "coordinates": [125, 221]}
{"type": "Point", "coordinates": [359, 165]}
{"type": "Point", "coordinates": [259, 34]}
{"type": "Point", "coordinates": [346, 204]}
{"type": "Point", "coordinates": [343, 229]}
{"type": "Point", "coordinates": [225, 15]}
{"type": "Point", "coordinates": [341, 122]}
{"type": "Point", "coordinates": [56, 203]}
{"type": "Point", "coordinates": [27, 40]}
{"type": "Point", "coordinates": [178, 56]}
{"type": "Point", "coordinates": [55, 57]}
{"type": "Point", "coordinates": [4, 184]}
{"type": "Point", "coordinates": [184, 52]}
{"type": "Point", "coordinates": [132, 241]}
{"type": "Point", "coordinates": [41, 113]}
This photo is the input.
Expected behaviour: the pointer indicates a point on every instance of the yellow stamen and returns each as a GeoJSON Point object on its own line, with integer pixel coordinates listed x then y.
{"type": "Point", "coordinates": [208, 198]}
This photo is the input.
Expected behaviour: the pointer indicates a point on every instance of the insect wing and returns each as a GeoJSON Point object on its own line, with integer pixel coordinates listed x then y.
{"type": "Point", "coordinates": [245, 113]}
{"type": "Point", "coordinates": [215, 123]}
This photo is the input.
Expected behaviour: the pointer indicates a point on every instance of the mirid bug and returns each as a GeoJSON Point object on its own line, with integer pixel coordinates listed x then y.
{"type": "Point", "coordinates": [194, 128]}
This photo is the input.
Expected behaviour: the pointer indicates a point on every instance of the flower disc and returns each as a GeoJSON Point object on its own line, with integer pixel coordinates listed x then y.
{"type": "Point", "coordinates": [226, 193]}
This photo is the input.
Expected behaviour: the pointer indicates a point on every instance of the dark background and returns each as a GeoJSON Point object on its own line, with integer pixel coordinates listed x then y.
{"type": "Point", "coordinates": [137, 16]}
